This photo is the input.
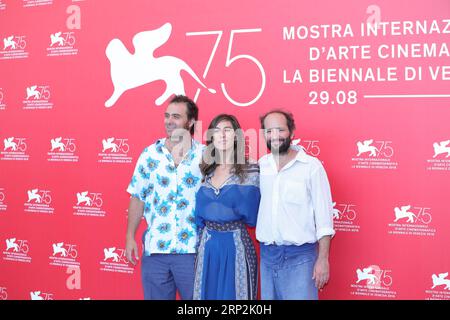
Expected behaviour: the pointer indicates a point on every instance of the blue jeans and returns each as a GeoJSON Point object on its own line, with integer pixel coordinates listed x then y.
{"type": "Point", "coordinates": [163, 274]}
{"type": "Point", "coordinates": [286, 272]}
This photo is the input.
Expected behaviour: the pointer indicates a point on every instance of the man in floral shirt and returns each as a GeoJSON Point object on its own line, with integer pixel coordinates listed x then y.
{"type": "Point", "coordinates": [163, 187]}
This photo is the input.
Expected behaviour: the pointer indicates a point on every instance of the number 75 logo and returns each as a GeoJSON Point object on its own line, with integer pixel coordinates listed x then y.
{"type": "Point", "coordinates": [3, 294]}
{"type": "Point", "coordinates": [230, 60]}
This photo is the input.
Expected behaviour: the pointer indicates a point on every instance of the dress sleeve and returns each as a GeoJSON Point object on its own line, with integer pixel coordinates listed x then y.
{"type": "Point", "coordinates": [250, 196]}
{"type": "Point", "coordinates": [199, 221]}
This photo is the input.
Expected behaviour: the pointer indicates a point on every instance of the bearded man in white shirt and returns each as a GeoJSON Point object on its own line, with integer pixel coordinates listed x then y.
{"type": "Point", "coordinates": [295, 220]}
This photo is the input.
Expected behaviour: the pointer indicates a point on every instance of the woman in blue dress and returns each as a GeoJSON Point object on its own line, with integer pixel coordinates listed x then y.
{"type": "Point", "coordinates": [226, 203]}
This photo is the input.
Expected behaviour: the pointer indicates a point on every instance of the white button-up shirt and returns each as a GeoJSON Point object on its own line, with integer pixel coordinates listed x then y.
{"type": "Point", "coordinates": [296, 205]}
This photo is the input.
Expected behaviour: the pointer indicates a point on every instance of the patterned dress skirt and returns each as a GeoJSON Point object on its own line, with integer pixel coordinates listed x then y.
{"type": "Point", "coordinates": [226, 265]}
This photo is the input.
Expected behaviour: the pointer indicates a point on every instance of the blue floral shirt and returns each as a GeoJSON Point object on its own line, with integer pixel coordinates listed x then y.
{"type": "Point", "coordinates": [169, 196]}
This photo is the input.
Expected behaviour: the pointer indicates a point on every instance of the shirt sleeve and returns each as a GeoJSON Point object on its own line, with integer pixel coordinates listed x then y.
{"type": "Point", "coordinates": [140, 178]}
{"type": "Point", "coordinates": [322, 203]}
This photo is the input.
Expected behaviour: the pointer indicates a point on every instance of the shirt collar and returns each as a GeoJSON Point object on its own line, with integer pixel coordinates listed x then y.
{"type": "Point", "coordinates": [162, 141]}
{"type": "Point", "coordinates": [301, 154]}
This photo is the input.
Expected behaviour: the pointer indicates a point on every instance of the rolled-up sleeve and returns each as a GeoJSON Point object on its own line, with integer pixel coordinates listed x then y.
{"type": "Point", "coordinates": [322, 203]}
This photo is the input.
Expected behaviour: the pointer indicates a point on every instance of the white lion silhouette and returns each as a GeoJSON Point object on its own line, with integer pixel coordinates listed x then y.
{"type": "Point", "coordinates": [9, 42]}
{"type": "Point", "coordinates": [57, 248]}
{"type": "Point", "coordinates": [441, 147]}
{"type": "Point", "coordinates": [36, 295]}
{"type": "Point", "coordinates": [365, 146]}
{"type": "Point", "coordinates": [11, 244]}
{"type": "Point", "coordinates": [109, 144]}
{"type": "Point", "coordinates": [56, 143]}
{"type": "Point", "coordinates": [366, 274]}
{"type": "Point", "coordinates": [9, 143]}
{"type": "Point", "coordinates": [404, 213]}
{"type": "Point", "coordinates": [441, 280]}
{"type": "Point", "coordinates": [129, 71]}
{"type": "Point", "coordinates": [83, 197]}
{"type": "Point", "coordinates": [32, 92]}
{"type": "Point", "coordinates": [109, 253]}
{"type": "Point", "coordinates": [56, 38]}
{"type": "Point", "coordinates": [33, 195]}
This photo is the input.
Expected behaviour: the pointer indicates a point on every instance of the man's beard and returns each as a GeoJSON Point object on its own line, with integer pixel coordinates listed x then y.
{"type": "Point", "coordinates": [283, 147]}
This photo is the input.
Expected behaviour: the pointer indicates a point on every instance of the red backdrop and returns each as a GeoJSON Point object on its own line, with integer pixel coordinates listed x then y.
{"type": "Point", "coordinates": [382, 138]}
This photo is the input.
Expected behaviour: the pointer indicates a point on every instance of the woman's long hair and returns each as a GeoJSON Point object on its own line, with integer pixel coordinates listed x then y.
{"type": "Point", "coordinates": [240, 159]}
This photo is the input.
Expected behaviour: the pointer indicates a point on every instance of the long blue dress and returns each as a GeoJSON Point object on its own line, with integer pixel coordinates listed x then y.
{"type": "Point", "coordinates": [226, 266]}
